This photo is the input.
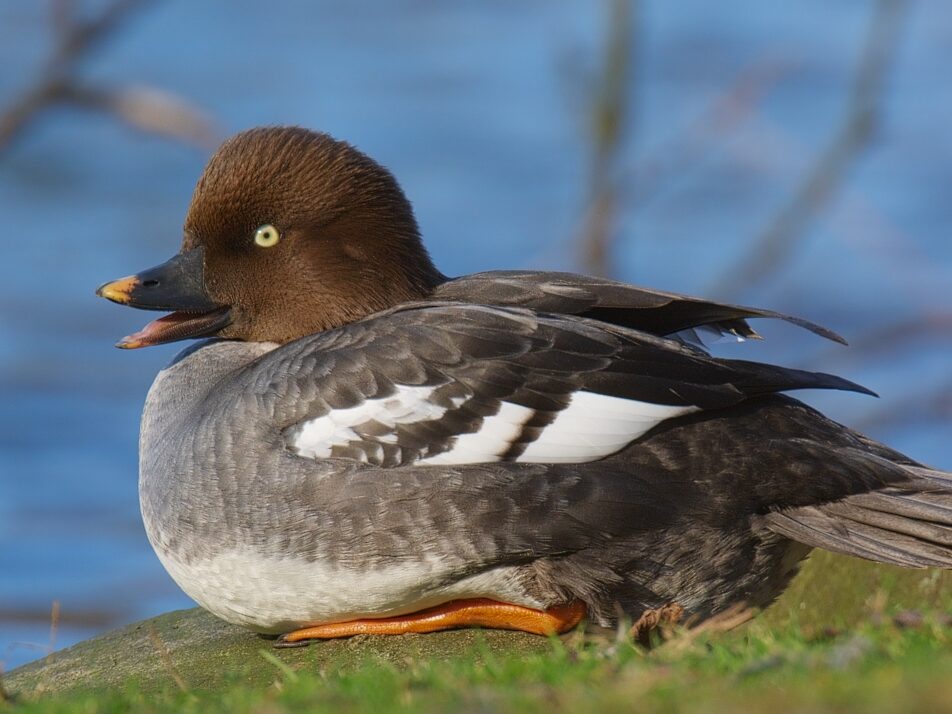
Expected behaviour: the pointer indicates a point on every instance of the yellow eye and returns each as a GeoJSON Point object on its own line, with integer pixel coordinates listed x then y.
{"type": "Point", "coordinates": [267, 236]}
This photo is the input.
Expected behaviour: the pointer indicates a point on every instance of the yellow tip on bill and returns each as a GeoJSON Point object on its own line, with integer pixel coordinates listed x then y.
{"type": "Point", "coordinates": [118, 290]}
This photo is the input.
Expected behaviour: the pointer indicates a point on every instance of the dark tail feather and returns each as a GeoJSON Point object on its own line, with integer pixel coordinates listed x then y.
{"type": "Point", "coordinates": [767, 379]}
{"type": "Point", "coordinates": [907, 524]}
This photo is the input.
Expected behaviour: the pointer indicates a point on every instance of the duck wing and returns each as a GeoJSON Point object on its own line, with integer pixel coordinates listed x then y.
{"type": "Point", "coordinates": [685, 514]}
{"type": "Point", "coordinates": [447, 383]}
{"type": "Point", "coordinates": [653, 311]}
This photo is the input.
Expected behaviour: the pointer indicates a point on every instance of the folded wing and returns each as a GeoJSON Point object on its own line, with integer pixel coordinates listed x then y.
{"type": "Point", "coordinates": [438, 383]}
{"type": "Point", "coordinates": [653, 311]}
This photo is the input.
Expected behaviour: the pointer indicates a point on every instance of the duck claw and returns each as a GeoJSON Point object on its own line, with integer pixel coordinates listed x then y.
{"type": "Point", "coordinates": [660, 620]}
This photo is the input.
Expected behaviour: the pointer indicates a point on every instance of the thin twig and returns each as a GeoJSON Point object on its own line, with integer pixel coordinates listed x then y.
{"type": "Point", "coordinates": [609, 122]}
{"type": "Point", "coordinates": [640, 182]}
{"type": "Point", "coordinates": [778, 241]}
{"type": "Point", "coordinates": [63, 18]}
{"type": "Point", "coordinates": [150, 110]}
{"type": "Point", "coordinates": [932, 405]}
{"type": "Point", "coordinates": [54, 627]}
{"type": "Point", "coordinates": [289, 674]}
{"type": "Point", "coordinates": [891, 338]}
{"type": "Point", "coordinates": [75, 41]}
{"type": "Point", "coordinates": [43, 684]}
{"type": "Point", "coordinates": [84, 37]}
{"type": "Point", "coordinates": [936, 325]}
{"type": "Point", "coordinates": [166, 657]}
{"type": "Point", "coordinates": [59, 83]}
{"type": "Point", "coordinates": [74, 618]}
{"type": "Point", "coordinates": [678, 155]}
{"type": "Point", "coordinates": [732, 617]}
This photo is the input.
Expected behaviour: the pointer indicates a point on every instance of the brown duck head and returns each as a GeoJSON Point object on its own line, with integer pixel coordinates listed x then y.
{"type": "Point", "coordinates": [289, 232]}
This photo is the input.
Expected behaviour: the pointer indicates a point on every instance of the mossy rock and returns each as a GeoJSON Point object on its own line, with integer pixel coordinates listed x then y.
{"type": "Point", "coordinates": [192, 649]}
{"type": "Point", "coordinates": [841, 592]}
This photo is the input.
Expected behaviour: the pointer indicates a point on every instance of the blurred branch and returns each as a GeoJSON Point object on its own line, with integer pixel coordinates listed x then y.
{"type": "Point", "coordinates": [151, 110]}
{"type": "Point", "coordinates": [774, 247]}
{"type": "Point", "coordinates": [166, 656]}
{"type": "Point", "coordinates": [101, 618]}
{"type": "Point", "coordinates": [608, 123]}
{"type": "Point", "coordinates": [54, 627]}
{"type": "Point", "coordinates": [928, 406]}
{"type": "Point", "coordinates": [677, 156]}
{"type": "Point", "coordinates": [58, 83]}
{"type": "Point", "coordinates": [673, 158]}
{"type": "Point", "coordinates": [932, 406]}
{"type": "Point", "coordinates": [889, 339]}
{"type": "Point", "coordinates": [75, 40]}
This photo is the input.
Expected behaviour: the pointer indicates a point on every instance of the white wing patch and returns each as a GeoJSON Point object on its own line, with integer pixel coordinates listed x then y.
{"type": "Point", "coordinates": [496, 434]}
{"type": "Point", "coordinates": [593, 426]}
{"type": "Point", "coordinates": [590, 427]}
{"type": "Point", "coordinates": [315, 438]}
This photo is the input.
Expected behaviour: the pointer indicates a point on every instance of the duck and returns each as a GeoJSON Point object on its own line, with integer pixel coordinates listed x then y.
{"type": "Point", "coordinates": [359, 444]}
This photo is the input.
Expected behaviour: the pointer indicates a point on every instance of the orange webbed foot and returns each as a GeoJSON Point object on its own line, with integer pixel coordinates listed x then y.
{"type": "Point", "coordinates": [478, 612]}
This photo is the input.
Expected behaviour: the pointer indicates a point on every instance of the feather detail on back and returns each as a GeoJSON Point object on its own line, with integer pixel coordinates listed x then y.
{"type": "Point", "coordinates": [461, 384]}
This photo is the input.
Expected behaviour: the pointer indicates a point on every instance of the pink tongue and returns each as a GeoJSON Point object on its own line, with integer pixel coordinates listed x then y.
{"type": "Point", "coordinates": [175, 326]}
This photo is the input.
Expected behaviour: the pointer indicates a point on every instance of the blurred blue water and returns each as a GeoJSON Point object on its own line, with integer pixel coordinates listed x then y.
{"type": "Point", "coordinates": [479, 109]}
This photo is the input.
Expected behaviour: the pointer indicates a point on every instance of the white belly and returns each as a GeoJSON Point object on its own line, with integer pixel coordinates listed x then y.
{"type": "Point", "coordinates": [278, 595]}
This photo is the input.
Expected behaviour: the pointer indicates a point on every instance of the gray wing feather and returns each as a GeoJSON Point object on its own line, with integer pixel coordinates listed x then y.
{"type": "Point", "coordinates": [654, 311]}
{"type": "Point", "coordinates": [475, 357]}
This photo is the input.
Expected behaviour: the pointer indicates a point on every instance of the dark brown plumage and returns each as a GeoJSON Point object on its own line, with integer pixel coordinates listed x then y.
{"type": "Point", "coordinates": [349, 246]}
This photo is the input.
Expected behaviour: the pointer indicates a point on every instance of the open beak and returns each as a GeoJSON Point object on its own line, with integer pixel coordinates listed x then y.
{"type": "Point", "coordinates": [177, 285]}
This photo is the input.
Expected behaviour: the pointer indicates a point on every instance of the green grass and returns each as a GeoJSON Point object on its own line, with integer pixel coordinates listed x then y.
{"type": "Point", "coordinates": [872, 668]}
{"type": "Point", "coordinates": [837, 641]}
